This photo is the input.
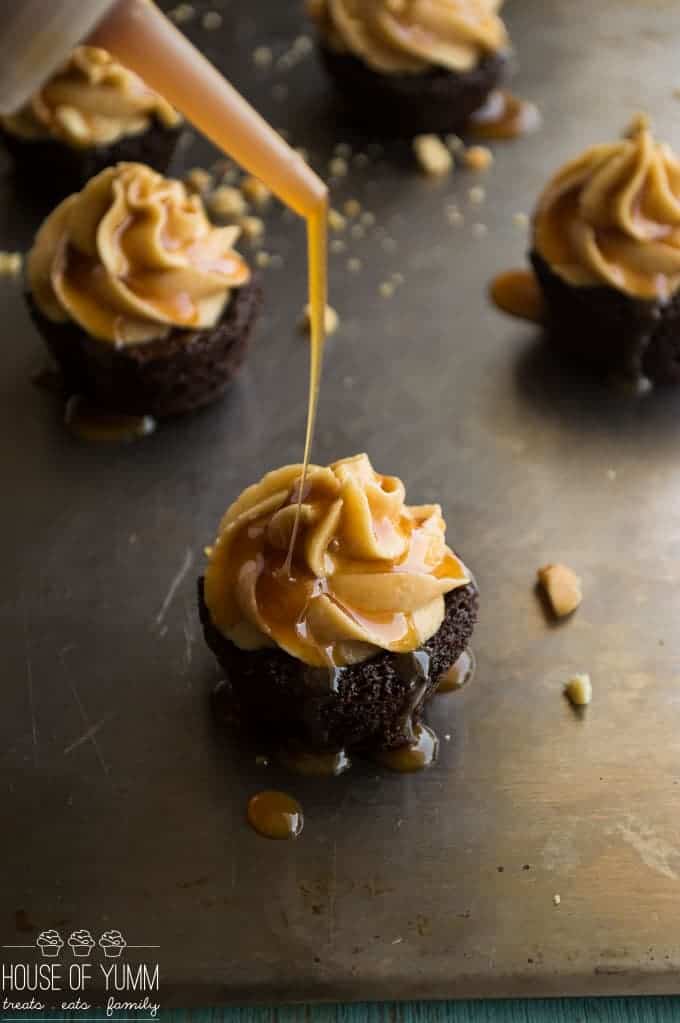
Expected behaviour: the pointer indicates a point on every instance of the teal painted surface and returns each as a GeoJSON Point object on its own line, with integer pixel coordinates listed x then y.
{"type": "Point", "coordinates": [578, 1010]}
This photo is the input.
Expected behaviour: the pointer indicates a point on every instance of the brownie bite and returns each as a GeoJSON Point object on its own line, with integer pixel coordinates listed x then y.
{"type": "Point", "coordinates": [92, 113]}
{"type": "Point", "coordinates": [145, 305]}
{"type": "Point", "coordinates": [414, 66]}
{"type": "Point", "coordinates": [606, 254]}
{"type": "Point", "coordinates": [339, 643]}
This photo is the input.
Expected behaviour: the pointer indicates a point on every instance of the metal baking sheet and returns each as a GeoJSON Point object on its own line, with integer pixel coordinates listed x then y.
{"type": "Point", "coordinates": [123, 808]}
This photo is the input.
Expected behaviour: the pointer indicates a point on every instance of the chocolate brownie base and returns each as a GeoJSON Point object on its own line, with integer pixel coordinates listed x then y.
{"type": "Point", "coordinates": [55, 169]}
{"type": "Point", "coordinates": [610, 330]}
{"type": "Point", "coordinates": [408, 104]}
{"type": "Point", "coordinates": [178, 373]}
{"type": "Point", "coordinates": [369, 706]}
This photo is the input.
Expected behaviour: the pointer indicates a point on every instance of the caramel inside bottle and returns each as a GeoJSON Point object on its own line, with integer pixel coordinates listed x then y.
{"type": "Point", "coordinates": [143, 39]}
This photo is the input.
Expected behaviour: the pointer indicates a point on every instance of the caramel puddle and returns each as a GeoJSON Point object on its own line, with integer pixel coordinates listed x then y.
{"type": "Point", "coordinates": [517, 293]}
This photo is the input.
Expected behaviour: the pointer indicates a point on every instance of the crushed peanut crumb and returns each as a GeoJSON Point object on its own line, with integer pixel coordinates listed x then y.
{"type": "Point", "coordinates": [262, 259]}
{"type": "Point", "coordinates": [398, 278]}
{"type": "Point", "coordinates": [211, 20]}
{"type": "Point", "coordinates": [336, 221]}
{"type": "Point", "coordinates": [252, 227]}
{"type": "Point", "coordinates": [342, 149]}
{"type": "Point", "coordinates": [579, 690]}
{"type": "Point", "coordinates": [357, 231]}
{"type": "Point", "coordinates": [453, 215]}
{"type": "Point", "coordinates": [331, 320]}
{"type": "Point", "coordinates": [520, 219]}
{"type": "Point", "coordinates": [455, 143]}
{"type": "Point", "coordinates": [557, 899]}
{"type": "Point", "coordinates": [387, 289]}
{"type": "Point", "coordinates": [352, 208]}
{"type": "Point", "coordinates": [262, 56]}
{"type": "Point", "coordinates": [432, 155]}
{"type": "Point", "coordinates": [354, 265]}
{"type": "Point", "coordinates": [337, 245]}
{"type": "Point", "coordinates": [368, 218]}
{"type": "Point", "coordinates": [477, 195]}
{"type": "Point", "coordinates": [227, 201]}
{"type": "Point", "coordinates": [478, 158]}
{"type": "Point", "coordinates": [10, 264]}
{"type": "Point", "coordinates": [562, 587]}
{"type": "Point", "coordinates": [182, 13]}
{"type": "Point", "coordinates": [198, 180]}
{"type": "Point", "coordinates": [255, 191]}
{"type": "Point", "coordinates": [338, 167]}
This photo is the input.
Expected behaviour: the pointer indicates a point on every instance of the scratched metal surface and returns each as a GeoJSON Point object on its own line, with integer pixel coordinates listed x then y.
{"type": "Point", "coordinates": [120, 805]}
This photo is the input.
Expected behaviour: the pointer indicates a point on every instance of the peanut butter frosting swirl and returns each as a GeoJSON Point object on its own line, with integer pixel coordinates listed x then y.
{"type": "Point", "coordinates": [92, 100]}
{"type": "Point", "coordinates": [368, 571]}
{"type": "Point", "coordinates": [612, 217]}
{"type": "Point", "coordinates": [397, 36]}
{"type": "Point", "coordinates": [132, 256]}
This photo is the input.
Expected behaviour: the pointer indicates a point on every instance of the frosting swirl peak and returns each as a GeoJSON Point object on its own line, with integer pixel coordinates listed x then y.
{"type": "Point", "coordinates": [612, 217]}
{"type": "Point", "coordinates": [92, 100]}
{"type": "Point", "coordinates": [369, 572]}
{"type": "Point", "coordinates": [413, 35]}
{"type": "Point", "coordinates": [132, 256]}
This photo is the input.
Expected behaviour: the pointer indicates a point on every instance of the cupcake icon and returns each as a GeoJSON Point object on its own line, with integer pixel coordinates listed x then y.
{"type": "Point", "coordinates": [50, 944]}
{"type": "Point", "coordinates": [81, 943]}
{"type": "Point", "coordinates": [113, 943]}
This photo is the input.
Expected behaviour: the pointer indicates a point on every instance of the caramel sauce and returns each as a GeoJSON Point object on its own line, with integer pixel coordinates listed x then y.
{"type": "Point", "coordinates": [504, 116]}
{"type": "Point", "coordinates": [90, 423]}
{"type": "Point", "coordinates": [275, 815]}
{"type": "Point", "coordinates": [420, 753]}
{"type": "Point", "coordinates": [517, 292]}
{"type": "Point", "coordinates": [459, 674]}
{"type": "Point", "coordinates": [315, 765]}
{"type": "Point", "coordinates": [145, 41]}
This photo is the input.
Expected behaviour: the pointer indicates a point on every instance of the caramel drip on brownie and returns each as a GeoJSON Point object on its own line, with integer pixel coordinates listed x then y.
{"type": "Point", "coordinates": [504, 116]}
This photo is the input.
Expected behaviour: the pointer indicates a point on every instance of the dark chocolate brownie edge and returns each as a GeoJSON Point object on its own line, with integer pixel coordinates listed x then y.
{"type": "Point", "coordinates": [53, 169]}
{"type": "Point", "coordinates": [408, 104]}
{"type": "Point", "coordinates": [372, 705]}
{"type": "Point", "coordinates": [609, 329]}
{"type": "Point", "coordinates": [179, 373]}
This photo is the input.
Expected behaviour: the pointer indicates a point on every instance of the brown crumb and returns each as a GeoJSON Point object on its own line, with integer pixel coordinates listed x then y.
{"type": "Point", "coordinates": [227, 201]}
{"type": "Point", "coordinates": [262, 259]}
{"type": "Point", "coordinates": [198, 180]}
{"type": "Point", "coordinates": [331, 320]}
{"type": "Point", "coordinates": [432, 155]}
{"type": "Point", "coordinates": [10, 264]}
{"type": "Point", "coordinates": [478, 158]}
{"type": "Point", "coordinates": [255, 191]}
{"type": "Point", "coordinates": [562, 587]}
{"type": "Point", "coordinates": [352, 208]}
